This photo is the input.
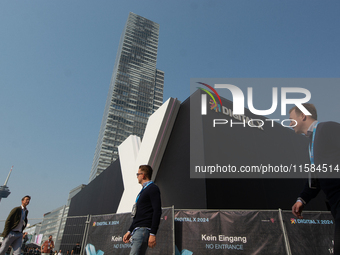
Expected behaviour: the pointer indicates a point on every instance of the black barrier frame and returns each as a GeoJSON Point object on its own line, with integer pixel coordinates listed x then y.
{"type": "Point", "coordinates": [86, 232]}
{"type": "Point", "coordinates": [323, 213]}
{"type": "Point", "coordinates": [285, 234]}
{"type": "Point", "coordinates": [77, 222]}
{"type": "Point", "coordinates": [173, 230]}
{"type": "Point", "coordinates": [237, 210]}
{"type": "Point", "coordinates": [89, 218]}
{"type": "Point", "coordinates": [280, 212]}
{"type": "Point", "coordinates": [282, 220]}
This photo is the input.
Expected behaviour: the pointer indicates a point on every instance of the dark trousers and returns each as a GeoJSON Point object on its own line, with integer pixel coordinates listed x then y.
{"type": "Point", "coordinates": [336, 215]}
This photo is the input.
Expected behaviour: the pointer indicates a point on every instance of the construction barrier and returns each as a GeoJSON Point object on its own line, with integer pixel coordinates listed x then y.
{"type": "Point", "coordinates": [187, 232]}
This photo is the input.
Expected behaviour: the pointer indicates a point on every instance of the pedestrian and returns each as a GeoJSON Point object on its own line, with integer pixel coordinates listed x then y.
{"type": "Point", "coordinates": [47, 246]}
{"type": "Point", "coordinates": [146, 214]}
{"type": "Point", "coordinates": [14, 225]}
{"type": "Point", "coordinates": [324, 151]}
{"type": "Point", "coordinates": [76, 249]}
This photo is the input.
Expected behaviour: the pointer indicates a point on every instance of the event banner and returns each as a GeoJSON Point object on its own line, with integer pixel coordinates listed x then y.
{"type": "Point", "coordinates": [105, 234]}
{"type": "Point", "coordinates": [228, 232]}
{"type": "Point", "coordinates": [313, 234]}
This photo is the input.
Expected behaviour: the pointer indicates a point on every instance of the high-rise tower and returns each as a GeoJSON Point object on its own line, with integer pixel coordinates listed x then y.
{"type": "Point", "coordinates": [136, 90]}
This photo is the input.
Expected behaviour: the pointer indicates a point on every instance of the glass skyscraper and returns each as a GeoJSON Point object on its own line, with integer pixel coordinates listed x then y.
{"type": "Point", "coordinates": [136, 90]}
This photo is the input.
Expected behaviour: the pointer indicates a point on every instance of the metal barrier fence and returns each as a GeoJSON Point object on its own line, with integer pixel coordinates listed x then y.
{"type": "Point", "coordinates": [209, 232]}
{"type": "Point", "coordinates": [75, 231]}
{"type": "Point", "coordinates": [253, 232]}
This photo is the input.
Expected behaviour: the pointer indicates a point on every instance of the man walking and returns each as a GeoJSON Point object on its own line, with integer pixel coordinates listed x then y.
{"type": "Point", "coordinates": [15, 224]}
{"type": "Point", "coordinates": [324, 151]}
{"type": "Point", "coordinates": [47, 246]}
{"type": "Point", "coordinates": [146, 214]}
{"type": "Point", "coordinates": [76, 249]}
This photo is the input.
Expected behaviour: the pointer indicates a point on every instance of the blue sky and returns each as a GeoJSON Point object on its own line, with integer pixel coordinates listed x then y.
{"type": "Point", "coordinates": [57, 57]}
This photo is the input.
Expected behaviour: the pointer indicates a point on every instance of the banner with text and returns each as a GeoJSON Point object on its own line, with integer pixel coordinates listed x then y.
{"type": "Point", "coordinates": [228, 232]}
{"type": "Point", "coordinates": [105, 234]}
{"type": "Point", "coordinates": [314, 234]}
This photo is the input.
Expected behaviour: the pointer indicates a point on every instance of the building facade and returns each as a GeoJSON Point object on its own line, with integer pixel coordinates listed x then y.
{"type": "Point", "coordinates": [74, 192]}
{"type": "Point", "coordinates": [136, 90]}
{"type": "Point", "coordinates": [242, 146]}
{"type": "Point", "coordinates": [54, 224]}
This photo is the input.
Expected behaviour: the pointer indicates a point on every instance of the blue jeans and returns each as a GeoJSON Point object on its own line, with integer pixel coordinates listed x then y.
{"type": "Point", "coordinates": [140, 241]}
{"type": "Point", "coordinates": [13, 239]}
